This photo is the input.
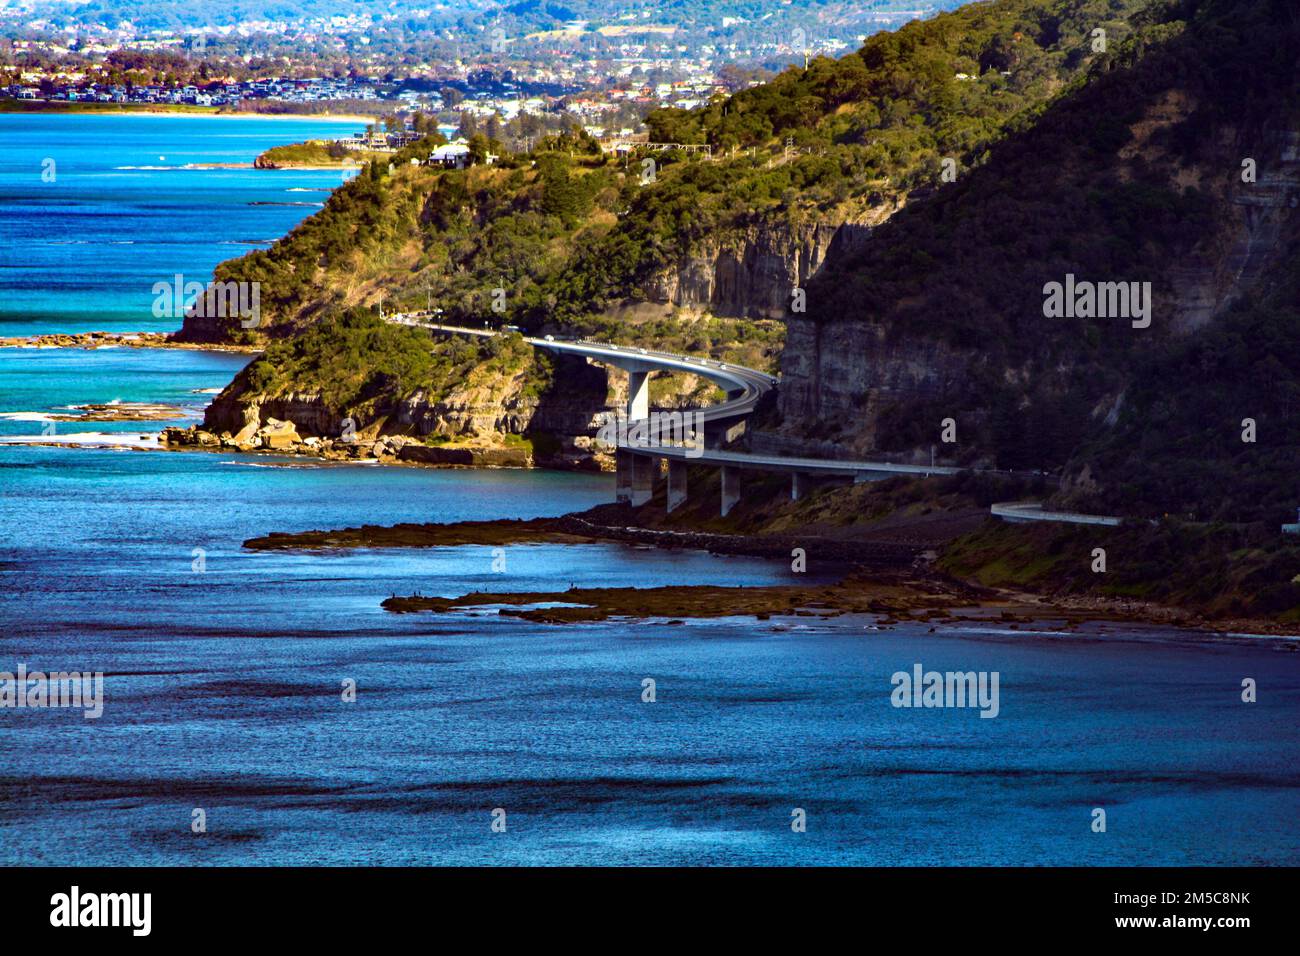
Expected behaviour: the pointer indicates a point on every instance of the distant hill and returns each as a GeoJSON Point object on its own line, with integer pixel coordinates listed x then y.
{"type": "Point", "coordinates": [577, 238]}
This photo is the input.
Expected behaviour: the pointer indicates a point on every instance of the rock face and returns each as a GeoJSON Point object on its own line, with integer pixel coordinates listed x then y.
{"type": "Point", "coordinates": [232, 411]}
{"type": "Point", "coordinates": [752, 273]}
{"type": "Point", "coordinates": [845, 372]}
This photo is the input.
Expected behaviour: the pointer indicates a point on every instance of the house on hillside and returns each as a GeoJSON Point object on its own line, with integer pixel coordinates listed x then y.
{"type": "Point", "coordinates": [456, 155]}
{"type": "Point", "coordinates": [452, 156]}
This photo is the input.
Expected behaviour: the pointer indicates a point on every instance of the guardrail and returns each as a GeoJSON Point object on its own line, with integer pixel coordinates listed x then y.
{"type": "Point", "coordinates": [1017, 511]}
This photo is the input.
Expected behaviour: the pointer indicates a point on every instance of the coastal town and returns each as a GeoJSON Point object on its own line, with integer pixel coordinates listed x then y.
{"type": "Point", "coordinates": [605, 76]}
{"type": "Point", "coordinates": [481, 96]}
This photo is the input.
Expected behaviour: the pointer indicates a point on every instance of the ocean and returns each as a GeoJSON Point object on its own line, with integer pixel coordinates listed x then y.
{"type": "Point", "coordinates": [227, 671]}
{"type": "Point", "coordinates": [95, 209]}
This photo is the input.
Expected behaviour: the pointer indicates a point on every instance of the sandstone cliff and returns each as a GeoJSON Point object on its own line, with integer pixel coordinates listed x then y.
{"type": "Point", "coordinates": [752, 271]}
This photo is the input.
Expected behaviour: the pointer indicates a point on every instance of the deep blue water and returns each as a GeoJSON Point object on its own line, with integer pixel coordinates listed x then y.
{"type": "Point", "coordinates": [223, 684]}
{"type": "Point", "coordinates": [122, 212]}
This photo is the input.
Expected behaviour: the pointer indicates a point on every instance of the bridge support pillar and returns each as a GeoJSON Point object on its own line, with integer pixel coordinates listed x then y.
{"type": "Point", "coordinates": [643, 479]}
{"type": "Point", "coordinates": [800, 485]}
{"type": "Point", "coordinates": [730, 488]}
{"type": "Point", "coordinates": [623, 475]}
{"type": "Point", "coordinates": [676, 484]}
{"type": "Point", "coordinates": [638, 396]}
{"type": "Point", "coordinates": [634, 477]}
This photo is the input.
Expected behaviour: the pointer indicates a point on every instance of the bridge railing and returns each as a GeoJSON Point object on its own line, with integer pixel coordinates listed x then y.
{"type": "Point", "coordinates": [1030, 511]}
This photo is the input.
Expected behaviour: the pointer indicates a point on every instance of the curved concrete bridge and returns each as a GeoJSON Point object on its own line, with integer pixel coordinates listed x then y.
{"type": "Point", "coordinates": [744, 386]}
{"type": "Point", "coordinates": [639, 453]}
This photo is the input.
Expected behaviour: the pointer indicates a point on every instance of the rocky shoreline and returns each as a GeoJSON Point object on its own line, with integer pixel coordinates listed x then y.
{"type": "Point", "coordinates": [281, 437]}
{"type": "Point", "coordinates": [891, 597]}
{"type": "Point", "coordinates": [101, 340]}
{"type": "Point", "coordinates": [891, 579]}
{"type": "Point", "coordinates": [593, 526]}
{"type": "Point", "coordinates": [121, 412]}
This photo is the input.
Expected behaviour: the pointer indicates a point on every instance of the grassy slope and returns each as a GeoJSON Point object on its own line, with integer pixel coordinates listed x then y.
{"type": "Point", "coordinates": [1215, 571]}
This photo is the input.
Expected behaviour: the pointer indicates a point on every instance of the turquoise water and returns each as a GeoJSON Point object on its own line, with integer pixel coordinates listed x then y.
{"type": "Point", "coordinates": [37, 383]}
{"type": "Point", "coordinates": [224, 667]}
{"type": "Point", "coordinates": [83, 251]}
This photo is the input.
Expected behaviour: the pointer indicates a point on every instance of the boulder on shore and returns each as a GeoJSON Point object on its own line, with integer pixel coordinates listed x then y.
{"type": "Point", "coordinates": [277, 435]}
{"type": "Point", "coordinates": [245, 438]}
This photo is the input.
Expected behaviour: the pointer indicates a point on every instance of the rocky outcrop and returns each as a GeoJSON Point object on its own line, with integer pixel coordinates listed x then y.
{"type": "Point", "coordinates": [752, 272]}
{"type": "Point", "coordinates": [273, 435]}
{"type": "Point", "coordinates": [845, 372]}
{"type": "Point", "coordinates": [470, 425]}
{"type": "Point", "coordinates": [466, 456]}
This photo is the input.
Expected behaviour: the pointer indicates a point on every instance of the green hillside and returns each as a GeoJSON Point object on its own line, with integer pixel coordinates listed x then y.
{"type": "Point", "coordinates": [1136, 176]}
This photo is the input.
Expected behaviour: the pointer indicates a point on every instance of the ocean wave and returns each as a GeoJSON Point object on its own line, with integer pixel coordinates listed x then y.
{"type": "Point", "coordinates": [26, 416]}
{"type": "Point", "coordinates": [277, 464]}
{"type": "Point", "coordinates": [122, 440]}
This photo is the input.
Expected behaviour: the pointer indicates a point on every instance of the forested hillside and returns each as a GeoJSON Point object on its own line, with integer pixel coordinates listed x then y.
{"type": "Point", "coordinates": [1137, 177]}
{"type": "Point", "coordinates": [693, 253]}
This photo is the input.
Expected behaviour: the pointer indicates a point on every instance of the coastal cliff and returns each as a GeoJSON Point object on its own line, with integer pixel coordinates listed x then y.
{"type": "Point", "coordinates": [752, 271]}
{"type": "Point", "coordinates": [706, 254]}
